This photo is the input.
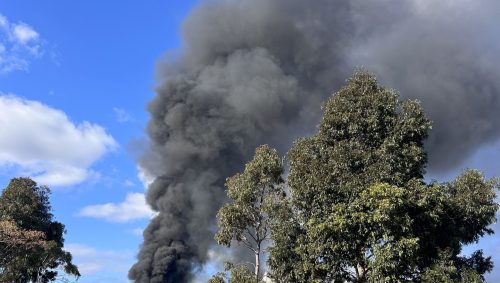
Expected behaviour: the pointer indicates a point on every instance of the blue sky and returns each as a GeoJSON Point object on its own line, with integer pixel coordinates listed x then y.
{"type": "Point", "coordinates": [85, 70]}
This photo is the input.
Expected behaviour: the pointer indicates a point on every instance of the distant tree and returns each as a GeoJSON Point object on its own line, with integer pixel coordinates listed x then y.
{"type": "Point", "coordinates": [253, 195]}
{"type": "Point", "coordinates": [359, 209]}
{"type": "Point", "coordinates": [31, 243]}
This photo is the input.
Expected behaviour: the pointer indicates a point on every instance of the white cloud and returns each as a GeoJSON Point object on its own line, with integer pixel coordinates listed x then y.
{"type": "Point", "coordinates": [19, 43]}
{"type": "Point", "coordinates": [145, 177]}
{"type": "Point", "coordinates": [138, 231]}
{"type": "Point", "coordinates": [134, 207]}
{"type": "Point", "coordinates": [128, 183]}
{"type": "Point", "coordinates": [43, 143]}
{"type": "Point", "coordinates": [3, 21]}
{"type": "Point", "coordinates": [91, 261]}
{"type": "Point", "coordinates": [121, 115]}
{"type": "Point", "coordinates": [23, 33]}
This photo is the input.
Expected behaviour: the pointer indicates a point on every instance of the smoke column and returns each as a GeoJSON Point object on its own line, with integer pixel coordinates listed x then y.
{"type": "Point", "coordinates": [256, 71]}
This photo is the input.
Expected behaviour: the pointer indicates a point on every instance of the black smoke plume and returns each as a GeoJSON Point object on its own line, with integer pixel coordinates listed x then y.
{"type": "Point", "coordinates": [256, 71]}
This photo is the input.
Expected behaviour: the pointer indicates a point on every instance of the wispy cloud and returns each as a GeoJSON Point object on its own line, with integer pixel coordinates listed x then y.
{"type": "Point", "coordinates": [92, 261]}
{"type": "Point", "coordinates": [19, 43]}
{"type": "Point", "coordinates": [121, 115]}
{"type": "Point", "coordinates": [24, 34]}
{"type": "Point", "coordinates": [137, 231]}
{"type": "Point", "coordinates": [128, 183]}
{"type": "Point", "coordinates": [132, 208]}
{"type": "Point", "coordinates": [41, 142]}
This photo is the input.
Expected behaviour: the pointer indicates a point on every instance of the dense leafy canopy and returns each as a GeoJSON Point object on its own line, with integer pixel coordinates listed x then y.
{"type": "Point", "coordinates": [31, 243]}
{"type": "Point", "coordinates": [14, 240]}
{"type": "Point", "coordinates": [359, 209]}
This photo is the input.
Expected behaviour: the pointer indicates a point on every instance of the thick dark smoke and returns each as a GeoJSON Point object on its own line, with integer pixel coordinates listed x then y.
{"type": "Point", "coordinates": [256, 71]}
{"type": "Point", "coordinates": [446, 54]}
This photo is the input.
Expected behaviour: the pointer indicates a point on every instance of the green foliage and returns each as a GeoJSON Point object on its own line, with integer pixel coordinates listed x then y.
{"type": "Point", "coordinates": [287, 258]}
{"type": "Point", "coordinates": [445, 270]}
{"type": "Point", "coordinates": [252, 193]}
{"type": "Point", "coordinates": [472, 198]}
{"type": "Point", "coordinates": [254, 196]}
{"type": "Point", "coordinates": [234, 274]}
{"type": "Point", "coordinates": [26, 206]}
{"type": "Point", "coordinates": [15, 241]}
{"type": "Point", "coordinates": [359, 210]}
{"type": "Point", "coordinates": [218, 278]}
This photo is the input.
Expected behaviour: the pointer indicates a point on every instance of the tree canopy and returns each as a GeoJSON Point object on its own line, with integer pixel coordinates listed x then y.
{"type": "Point", "coordinates": [31, 242]}
{"type": "Point", "coordinates": [357, 207]}
{"type": "Point", "coordinates": [254, 196]}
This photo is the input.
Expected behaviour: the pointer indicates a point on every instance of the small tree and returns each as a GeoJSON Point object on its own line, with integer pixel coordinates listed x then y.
{"type": "Point", "coordinates": [253, 194]}
{"type": "Point", "coordinates": [31, 243]}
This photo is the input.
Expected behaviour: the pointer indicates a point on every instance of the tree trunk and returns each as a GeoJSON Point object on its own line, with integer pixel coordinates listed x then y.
{"type": "Point", "coordinates": [257, 265]}
{"type": "Point", "coordinates": [361, 273]}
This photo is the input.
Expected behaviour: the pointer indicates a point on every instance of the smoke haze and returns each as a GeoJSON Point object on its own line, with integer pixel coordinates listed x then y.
{"type": "Point", "coordinates": [256, 71]}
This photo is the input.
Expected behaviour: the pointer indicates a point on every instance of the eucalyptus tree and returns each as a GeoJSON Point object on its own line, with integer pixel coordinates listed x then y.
{"type": "Point", "coordinates": [359, 209]}
{"type": "Point", "coordinates": [254, 195]}
{"type": "Point", "coordinates": [31, 242]}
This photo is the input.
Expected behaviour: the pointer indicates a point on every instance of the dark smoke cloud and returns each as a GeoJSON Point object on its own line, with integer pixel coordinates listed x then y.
{"type": "Point", "coordinates": [256, 71]}
{"type": "Point", "coordinates": [446, 54]}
